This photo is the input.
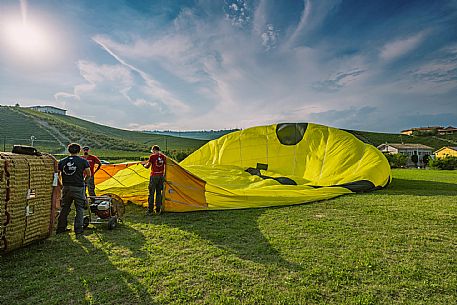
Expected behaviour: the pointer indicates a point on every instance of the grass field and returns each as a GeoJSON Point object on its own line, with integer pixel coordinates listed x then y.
{"type": "Point", "coordinates": [395, 246]}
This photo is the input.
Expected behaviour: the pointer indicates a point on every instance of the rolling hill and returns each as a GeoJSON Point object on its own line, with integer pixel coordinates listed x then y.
{"type": "Point", "coordinates": [377, 138]}
{"type": "Point", "coordinates": [199, 134]}
{"type": "Point", "coordinates": [53, 132]}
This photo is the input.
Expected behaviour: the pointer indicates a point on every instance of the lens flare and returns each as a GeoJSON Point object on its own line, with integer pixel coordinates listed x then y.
{"type": "Point", "coordinates": [27, 39]}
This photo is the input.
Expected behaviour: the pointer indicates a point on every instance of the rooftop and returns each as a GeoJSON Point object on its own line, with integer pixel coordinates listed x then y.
{"type": "Point", "coordinates": [407, 146]}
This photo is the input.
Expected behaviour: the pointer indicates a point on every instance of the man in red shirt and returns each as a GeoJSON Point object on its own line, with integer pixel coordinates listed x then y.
{"type": "Point", "coordinates": [157, 161]}
{"type": "Point", "coordinates": [92, 161]}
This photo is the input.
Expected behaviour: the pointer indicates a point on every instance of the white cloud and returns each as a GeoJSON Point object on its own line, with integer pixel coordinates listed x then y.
{"type": "Point", "coordinates": [238, 12]}
{"type": "Point", "coordinates": [65, 95]}
{"type": "Point", "coordinates": [95, 75]}
{"type": "Point", "coordinates": [431, 76]}
{"type": "Point", "coordinates": [397, 48]}
{"type": "Point", "coordinates": [200, 74]}
{"type": "Point", "coordinates": [339, 80]}
{"type": "Point", "coordinates": [235, 85]}
{"type": "Point", "coordinates": [269, 37]}
{"type": "Point", "coordinates": [153, 88]}
{"type": "Point", "coordinates": [304, 18]}
{"type": "Point", "coordinates": [312, 16]}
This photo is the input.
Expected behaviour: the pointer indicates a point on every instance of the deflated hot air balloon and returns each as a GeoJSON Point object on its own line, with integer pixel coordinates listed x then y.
{"type": "Point", "coordinates": [280, 164]}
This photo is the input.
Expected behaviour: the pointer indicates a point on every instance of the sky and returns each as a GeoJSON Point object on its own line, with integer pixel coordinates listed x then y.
{"type": "Point", "coordinates": [191, 65]}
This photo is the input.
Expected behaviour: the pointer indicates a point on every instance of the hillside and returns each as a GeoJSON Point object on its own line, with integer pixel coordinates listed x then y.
{"type": "Point", "coordinates": [17, 129]}
{"type": "Point", "coordinates": [53, 132]}
{"type": "Point", "coordinates": [377, 138]}
{"type": "Point", "coordinates": [199, 134]}
{"type": "Point", "coordinates": [373, 138]}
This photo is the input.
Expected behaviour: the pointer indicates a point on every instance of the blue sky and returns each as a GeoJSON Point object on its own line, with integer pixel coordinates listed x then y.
{"type": "Point", "coordinates": [191, 65]}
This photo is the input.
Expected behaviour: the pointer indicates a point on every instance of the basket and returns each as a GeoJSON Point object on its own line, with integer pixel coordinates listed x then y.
{"type": "Point", "coordinates": [28, 199]}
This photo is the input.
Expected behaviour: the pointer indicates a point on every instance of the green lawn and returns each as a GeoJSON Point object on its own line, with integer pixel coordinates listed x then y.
{"type": "Point", "coordinates": [395, 246]}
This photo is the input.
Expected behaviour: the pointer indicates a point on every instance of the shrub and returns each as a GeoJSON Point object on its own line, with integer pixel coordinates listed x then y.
{"type": "Point", "coordinates": [425, 133]}
{"type": "Point", "coordinates": [426, 159]}
{"type": "Point", "coordinates": [415, 159]}
{"type": "Point", "coordinates": [397, 160]}
{"type": "Point", "coordinates": [177, 155]}
{"type": "Point", "coordinates": [447, 163]}
{"type": "Point", "coordinates": [181, 156]}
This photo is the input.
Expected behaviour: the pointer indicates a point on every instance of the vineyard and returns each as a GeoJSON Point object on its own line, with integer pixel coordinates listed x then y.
{"type": "Point", "coordinates": [52, 132]}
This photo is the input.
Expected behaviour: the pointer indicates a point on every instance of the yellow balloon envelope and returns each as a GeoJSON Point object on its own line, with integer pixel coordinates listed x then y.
{"type": "Point", "coordinates": [280, 164]}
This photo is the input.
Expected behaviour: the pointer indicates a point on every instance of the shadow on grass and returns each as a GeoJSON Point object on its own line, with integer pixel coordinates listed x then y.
{"type": "Point", "coordinates": [64, 270]}
{"type": "Point", "coordinates": [236, 231]}
{"type": "Point", "coordinates": [421, 188]}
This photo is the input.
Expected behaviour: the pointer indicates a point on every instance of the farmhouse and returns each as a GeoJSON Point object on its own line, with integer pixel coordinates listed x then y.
{"type": "Point", "coordinates": [447, 130]}
{"type": "Point", "coordinates": [439, 130]}
{"type": "Point", "coordinates": [49, 109]}
{"type": "Point", "coordinates": [408, 149]}
{"type": "Point", "coordinates": [446, 151]}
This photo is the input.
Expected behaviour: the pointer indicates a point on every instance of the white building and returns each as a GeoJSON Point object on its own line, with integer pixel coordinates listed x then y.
{"type": "Point", "coordinates": [49, 109]}
{"type": "Point", "coordinates": [408, 149]}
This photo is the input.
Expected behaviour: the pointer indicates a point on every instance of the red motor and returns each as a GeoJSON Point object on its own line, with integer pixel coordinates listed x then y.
{"type": "Point", "coordinates": [103, 210]}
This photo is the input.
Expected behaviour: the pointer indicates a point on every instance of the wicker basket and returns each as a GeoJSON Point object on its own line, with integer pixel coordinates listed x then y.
{"type": "Point", "coordinates": [27, 199]}
{"type": "Point", "coordinates": [2, 202]}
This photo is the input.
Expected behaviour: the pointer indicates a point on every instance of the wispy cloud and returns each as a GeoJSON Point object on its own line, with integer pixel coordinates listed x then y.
{"type": "Point", "coordinates": [397, 48]}
{"type": "Point", "coordinates": [302, 23]}
{"type": "Point", "coordinates": [312, 17]}
{"type": "Point", "coordinates": [442, 70]}
{"type": "Point", "coordinates": [240, 63]}
{"type": "Point", "coordinates": [238, 12]}
{"type": "Point", "coordinates": [97, 75]}
{"type": "Point", "coordinates": [154, 88]}
{"type": "Point", "coordinates": [338, 81]}
{"type": "Point", "coordinates": [350, 118]}
{"type": "Point", "coordinates": [270, 37]}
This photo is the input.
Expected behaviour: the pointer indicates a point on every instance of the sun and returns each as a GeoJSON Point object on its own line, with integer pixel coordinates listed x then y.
{"type": "Point", "coordinates": [26, 38]}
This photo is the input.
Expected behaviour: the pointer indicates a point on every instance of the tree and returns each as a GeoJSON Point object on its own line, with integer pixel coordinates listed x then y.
{"type": "Point", "coordinates": [396, 160]}
{"type": "Point", "coordinates": [448, 162]}
{"type": "Point", "coordinates": [426, 159]}
{"type": "Point", "coordinates": [415, 159]}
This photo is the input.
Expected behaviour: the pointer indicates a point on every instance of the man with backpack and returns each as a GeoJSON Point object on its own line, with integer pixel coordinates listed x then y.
{"type": "Point", "coordinates": [74, 171]}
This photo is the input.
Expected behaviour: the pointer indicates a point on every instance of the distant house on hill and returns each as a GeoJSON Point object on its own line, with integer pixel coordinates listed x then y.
{"type": "Point", "coordinates": [49, 109]}
{"type": "Point", "coordinates": [439, 130]}
{"type": "Point", "coordinates": [446, 151]}
{"type": "Point", "coordinates": [447, 130]}
{"type": "Point", "coordinates": [409, 150]}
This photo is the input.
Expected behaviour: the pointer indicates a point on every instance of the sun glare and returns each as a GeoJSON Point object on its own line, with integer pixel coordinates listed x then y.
{"type": "Point", "coordinates": [27, 39]}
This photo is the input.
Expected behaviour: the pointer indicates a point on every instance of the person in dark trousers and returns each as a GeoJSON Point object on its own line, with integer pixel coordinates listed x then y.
{"type": "Point", "coordinates": [73, 170]}
{"type": "Point", "coordinates": [157, 161]}
{"type": "Point", "coordinates": [92, 159]}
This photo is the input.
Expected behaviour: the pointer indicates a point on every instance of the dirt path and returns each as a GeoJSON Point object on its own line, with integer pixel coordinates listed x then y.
{"type": "Point", "coordinates": [447, 140]}
{"type": "Point", "coordinates": [54, 132]}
